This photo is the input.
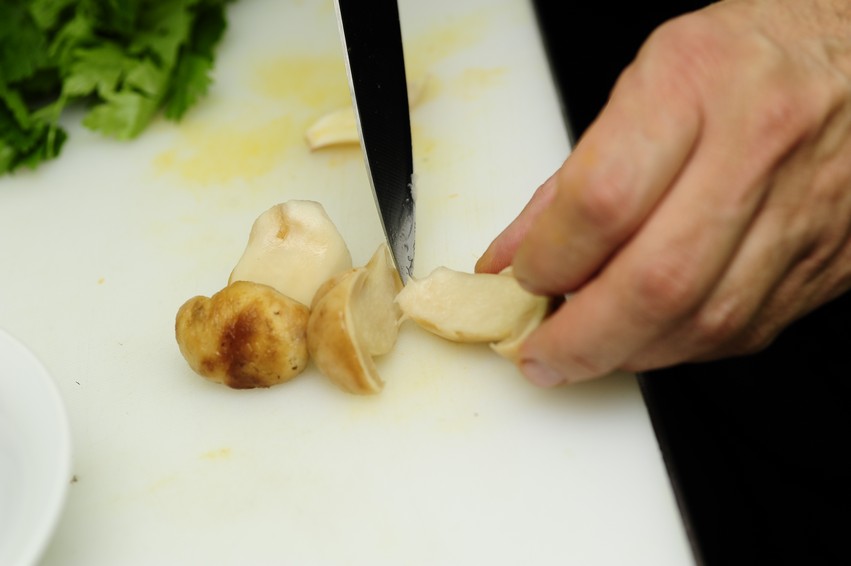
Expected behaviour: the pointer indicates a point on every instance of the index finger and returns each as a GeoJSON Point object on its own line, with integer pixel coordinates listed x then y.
{"type": "Point", "coordinates": [609, 185]}
{"type": "Point", "coordinates": [500, 253]}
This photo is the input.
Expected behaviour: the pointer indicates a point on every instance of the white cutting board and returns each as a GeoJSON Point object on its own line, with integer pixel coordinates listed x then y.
{"type": "Point", "coordinates": [458, 461]}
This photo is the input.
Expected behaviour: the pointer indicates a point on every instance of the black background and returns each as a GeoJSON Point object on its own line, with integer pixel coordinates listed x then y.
{"type": "Point", "coordinates": [755, 447]}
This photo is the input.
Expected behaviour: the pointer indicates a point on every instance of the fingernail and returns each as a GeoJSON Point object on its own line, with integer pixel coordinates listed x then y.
{"type": "Point", "coordinates": [484, 261]}
{"type": "Point", "coordinates": [540, 374]}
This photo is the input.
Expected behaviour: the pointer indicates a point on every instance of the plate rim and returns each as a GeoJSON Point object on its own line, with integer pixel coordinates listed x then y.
{"type": "Point", "coordinates": [35, 543]}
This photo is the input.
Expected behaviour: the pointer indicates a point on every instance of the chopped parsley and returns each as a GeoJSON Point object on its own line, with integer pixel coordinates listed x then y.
{"type": "Point", "coordinates": [125, 60]}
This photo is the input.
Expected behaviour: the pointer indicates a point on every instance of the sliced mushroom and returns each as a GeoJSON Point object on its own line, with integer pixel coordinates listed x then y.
{"type": "Point", "coordinates": [245, 336]}
{"type": "Point", "coordinates": [353, 319]}
{"type": "Point", "coordinates": [294, 247]}
{"type": "Point", "coordinates": [339, 127]}
{"type": "Point", "coordinates": [474, 307]}
{"type": "Point", "coordinates": [509, 348]}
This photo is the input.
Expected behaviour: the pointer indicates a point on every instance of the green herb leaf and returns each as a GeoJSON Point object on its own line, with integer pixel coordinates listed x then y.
{"type": "Point", "coordinates": [123, 115]}
{"type": "Point", "coordinates": [26, 139]}
{"type": "Point", "coordinates": [47, 13]}
{"type": "Point", "coordinates": [23, 46]}
{"type": "Point", "coordinates": [191, 81]}
{"type": "Point", "coordinates": [97, 69]}
{"type": "Point", "coordinates": [127, 59]}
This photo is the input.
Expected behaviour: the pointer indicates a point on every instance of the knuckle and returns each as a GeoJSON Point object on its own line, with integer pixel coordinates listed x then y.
{"type": "Point", "coordinates": [688, 51]}
{"type": "Point", "coordinates": [605, 202]}
{"type": "Point", "coordinates": [794, 101]}
{"type": "Point", "coordinates": [759, 341]}
{"type": "Point", "coordinates": [786, 100]}
{"type": "Point", "coordinates": [752, 340]}
{"type": "Point", "coordinates": [782, 119]}
{"type": "Point", "coordinates": [664, 288]}
{"type": "Point", "coordinates": [718, 323]}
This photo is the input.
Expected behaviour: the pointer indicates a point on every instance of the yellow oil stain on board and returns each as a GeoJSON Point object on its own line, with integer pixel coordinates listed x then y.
{"type": "Point", "coordinates": [220, 153]}
{"type": "Point", "coordinates": [424, 51]}
{"type": "Point", "coordinates": [218, 454]}
{"type": "Point", "coordinates": [423, 144]}
{"type": "Point", "coordinates": [294, 90]}
{"type": "Point", "coordinates": [473, 82]}
{"type": "Point", "coordinates": [317, 82]}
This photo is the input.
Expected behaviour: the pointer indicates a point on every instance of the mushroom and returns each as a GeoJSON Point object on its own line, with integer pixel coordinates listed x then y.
{"type": "Point", "coordinates": [339, 126]}
{"type": "Point", "coordinates": [474, 307]}
{"type": "Point", "coordinates": [294, 247]}
{"type": "Point", "coordinates": [354, 318]}
{"type": "Point", "coordinates": [247, 335]}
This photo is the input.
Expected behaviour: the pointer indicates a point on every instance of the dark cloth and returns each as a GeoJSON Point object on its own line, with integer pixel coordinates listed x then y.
{"type": "Point", "coordinates": [755, 446]}
{"type": "Point", "coordinates": [590, 42]}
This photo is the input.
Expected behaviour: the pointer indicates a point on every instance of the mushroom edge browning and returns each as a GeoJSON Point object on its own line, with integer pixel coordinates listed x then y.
{"type": "Point", "coordinates": [353, 319]}
{"type": "Point", "coordinates": [245, 336]}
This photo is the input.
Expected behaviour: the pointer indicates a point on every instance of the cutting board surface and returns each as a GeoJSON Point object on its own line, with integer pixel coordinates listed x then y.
{"type": "Point", "coordinates": [458, 461]}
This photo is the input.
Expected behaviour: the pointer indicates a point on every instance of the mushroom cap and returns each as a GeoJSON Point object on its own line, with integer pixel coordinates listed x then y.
{"type": "Point", "coordinates": [245, 336]}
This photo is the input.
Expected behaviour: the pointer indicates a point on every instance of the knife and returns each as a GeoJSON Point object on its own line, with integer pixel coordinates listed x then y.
{"type": "Point", "coordinates": [372, 39]}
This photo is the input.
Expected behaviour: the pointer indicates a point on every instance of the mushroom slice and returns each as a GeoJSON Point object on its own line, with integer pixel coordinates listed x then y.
{"type": "Point", "coordinates": [474, 307]}
{"type": "Point", "coordinates": [294, 247]}
{"type": "Point", "coordinates": [509, 348]}
{"type": "Point", "coordinates": [245, 336]}
{"type": "Point", "coordinates": [353, 319]}
{"type": "Point", "coordinates": [339, 126]}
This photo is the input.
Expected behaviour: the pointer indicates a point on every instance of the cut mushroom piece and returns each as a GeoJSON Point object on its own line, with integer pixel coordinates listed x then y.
{"type": "Point", "coordinates": [353, 319]}
{"type": "Point", "coordinates": [509, 348]}
{"type": "Point", "coordinates": [474, 307]}
{"type": "Point", "coordinates": [245, 336]}
{"type": "Point", "coordinates": [294, 247]}
{"type": "Point", "coordinates": [339, 126]}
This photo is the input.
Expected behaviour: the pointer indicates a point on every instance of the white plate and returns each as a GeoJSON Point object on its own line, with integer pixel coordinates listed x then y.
{"type": "Point", "coordinates": [35, 454]}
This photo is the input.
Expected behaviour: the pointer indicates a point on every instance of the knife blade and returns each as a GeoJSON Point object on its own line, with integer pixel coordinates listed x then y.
{"type": "Point", "coordinates": [372, 39]}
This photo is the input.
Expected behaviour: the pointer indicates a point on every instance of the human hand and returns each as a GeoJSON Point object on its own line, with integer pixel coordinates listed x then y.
{"type": "Point", "coordinates": [707, 207]}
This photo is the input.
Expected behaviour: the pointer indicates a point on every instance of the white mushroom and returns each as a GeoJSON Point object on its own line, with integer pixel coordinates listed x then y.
{"type": "Point", "coordinates": [353, 319]}
{"type": "Point", "coordinates": [339, 127]}
{"type": "Point", "coordinates": [245, 336]}
{"type": "Point", "coordinates": [474, 307]}
{"type": "Point", "coordinates": [294, 247]}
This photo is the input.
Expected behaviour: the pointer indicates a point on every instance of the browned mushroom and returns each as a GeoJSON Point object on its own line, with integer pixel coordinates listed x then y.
{"type": "Point", "coordinates": [245, 336]}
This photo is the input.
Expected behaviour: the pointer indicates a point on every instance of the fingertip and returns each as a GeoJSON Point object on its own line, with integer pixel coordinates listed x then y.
{"type": "Point", "coordinates": [485, 262]}
{"type": "Point", "coordinates": [557, 352]}
{"type": "Point", "coordinates": [500, 253]}
{"type": "Point", "coordinates": [497, 256]}
{"type": "Point", "coordinates": [540, 373]}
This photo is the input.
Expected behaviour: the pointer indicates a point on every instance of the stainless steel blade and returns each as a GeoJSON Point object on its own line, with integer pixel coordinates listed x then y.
{"type": "Point", "coordinates": [372, 38]}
